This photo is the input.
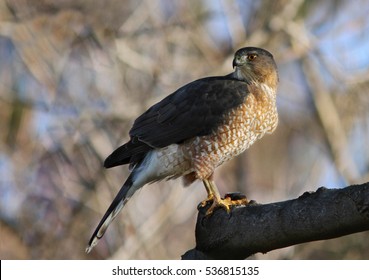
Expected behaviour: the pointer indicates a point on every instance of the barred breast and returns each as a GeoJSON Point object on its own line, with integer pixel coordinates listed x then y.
{"type": "Point", "coordinates": [242, 126]}
{"type": "Point", "coordinates": [197, 158]}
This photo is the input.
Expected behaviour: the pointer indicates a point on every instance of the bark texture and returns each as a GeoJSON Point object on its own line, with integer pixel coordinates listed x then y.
{"type": "Point", "coordinates": [323, 214]}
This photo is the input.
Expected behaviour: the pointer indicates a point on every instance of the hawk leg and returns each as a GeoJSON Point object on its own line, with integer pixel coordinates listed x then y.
{"type": "Point", "coordinates": [213, 193]}
{"type": "Point", "coordinates": [217, 201]}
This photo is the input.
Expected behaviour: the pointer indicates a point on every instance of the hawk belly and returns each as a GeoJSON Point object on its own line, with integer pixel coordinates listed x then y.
{"type": "Point", "coordinates": [199, 156]}
{"type": "Point", "coordinates": [241, 128]}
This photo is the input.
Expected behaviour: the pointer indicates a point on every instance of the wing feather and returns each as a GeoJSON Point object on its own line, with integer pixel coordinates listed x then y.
{"type": "Point", "coordinates": [193, 110]}
{"type": "Point", "coordinates": [196, 109]}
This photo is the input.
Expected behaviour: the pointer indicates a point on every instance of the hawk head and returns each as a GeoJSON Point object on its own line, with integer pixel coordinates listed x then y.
{"type": "Point", "coordinates": [255, 65]}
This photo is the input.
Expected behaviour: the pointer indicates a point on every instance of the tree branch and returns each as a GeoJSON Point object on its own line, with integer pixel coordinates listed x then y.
{"type": "Point", "coordinates": [324, 214]}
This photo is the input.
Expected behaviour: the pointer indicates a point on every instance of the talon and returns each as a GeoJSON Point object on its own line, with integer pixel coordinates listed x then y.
{"type": "Point", "coordinates": [237, 198]}
{"type": "Point", "coordinates": [227, 203]}
{"type": "Point", "coordinates": [206, 201]}
{"type": "Point", "coordinates": [230, 199]}
{"type": "Point", "coordinates": [223, 203]}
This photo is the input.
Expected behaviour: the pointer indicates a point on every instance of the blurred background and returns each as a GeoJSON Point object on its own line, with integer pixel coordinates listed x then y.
{"type": "Point", "coordinates": [74, 75]}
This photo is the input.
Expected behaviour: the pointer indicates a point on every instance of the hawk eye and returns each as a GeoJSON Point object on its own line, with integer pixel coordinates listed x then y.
{"type": "Point", "coordinates": [251, 56]}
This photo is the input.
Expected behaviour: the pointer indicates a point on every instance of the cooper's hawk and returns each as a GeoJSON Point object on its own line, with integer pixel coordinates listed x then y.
{"type": "Point", "coordinates": [197, 128]}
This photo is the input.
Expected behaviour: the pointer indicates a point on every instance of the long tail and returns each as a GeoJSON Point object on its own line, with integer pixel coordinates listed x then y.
{"type": "Point", "coordinates": [124, 194]}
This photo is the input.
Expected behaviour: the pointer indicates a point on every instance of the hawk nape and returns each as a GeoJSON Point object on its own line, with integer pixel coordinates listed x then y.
{"type": "Point", "coordinates": [197, 128]}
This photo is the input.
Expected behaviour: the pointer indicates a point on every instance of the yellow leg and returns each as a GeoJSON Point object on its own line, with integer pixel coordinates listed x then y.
{"type": "Point", "coordinates": [213, 195]}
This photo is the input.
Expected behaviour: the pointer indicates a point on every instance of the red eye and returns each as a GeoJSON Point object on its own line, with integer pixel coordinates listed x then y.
{"type": "Point", "coordinates": [251, 56]}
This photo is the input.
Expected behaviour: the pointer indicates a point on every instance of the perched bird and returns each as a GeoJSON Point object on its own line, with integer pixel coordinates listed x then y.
{"type": "Point", "coordinates": [197, 128]}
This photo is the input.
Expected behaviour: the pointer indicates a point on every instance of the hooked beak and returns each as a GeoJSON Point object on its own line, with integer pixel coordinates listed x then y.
{"type": "Point", "coordinates": [234, 63]}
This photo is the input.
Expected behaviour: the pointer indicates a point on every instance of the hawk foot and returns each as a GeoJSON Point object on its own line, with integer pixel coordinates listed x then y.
{"type": "Point", "coordinates": [205, 202]}
{"type": "Point", "coordinates": [238, 199]}
{"type": "Point", "coordinates": [230, 200]}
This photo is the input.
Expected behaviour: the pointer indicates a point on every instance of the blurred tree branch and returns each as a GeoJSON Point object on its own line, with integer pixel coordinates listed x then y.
{"type": "Point", "coordinates": [332, 124]}
{"type": "Point", "coordinates": [324, 214]}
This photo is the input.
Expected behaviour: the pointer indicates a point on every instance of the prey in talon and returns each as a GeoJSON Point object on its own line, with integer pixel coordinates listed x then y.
{"type": "Point", "coordinates": [197, 128]}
